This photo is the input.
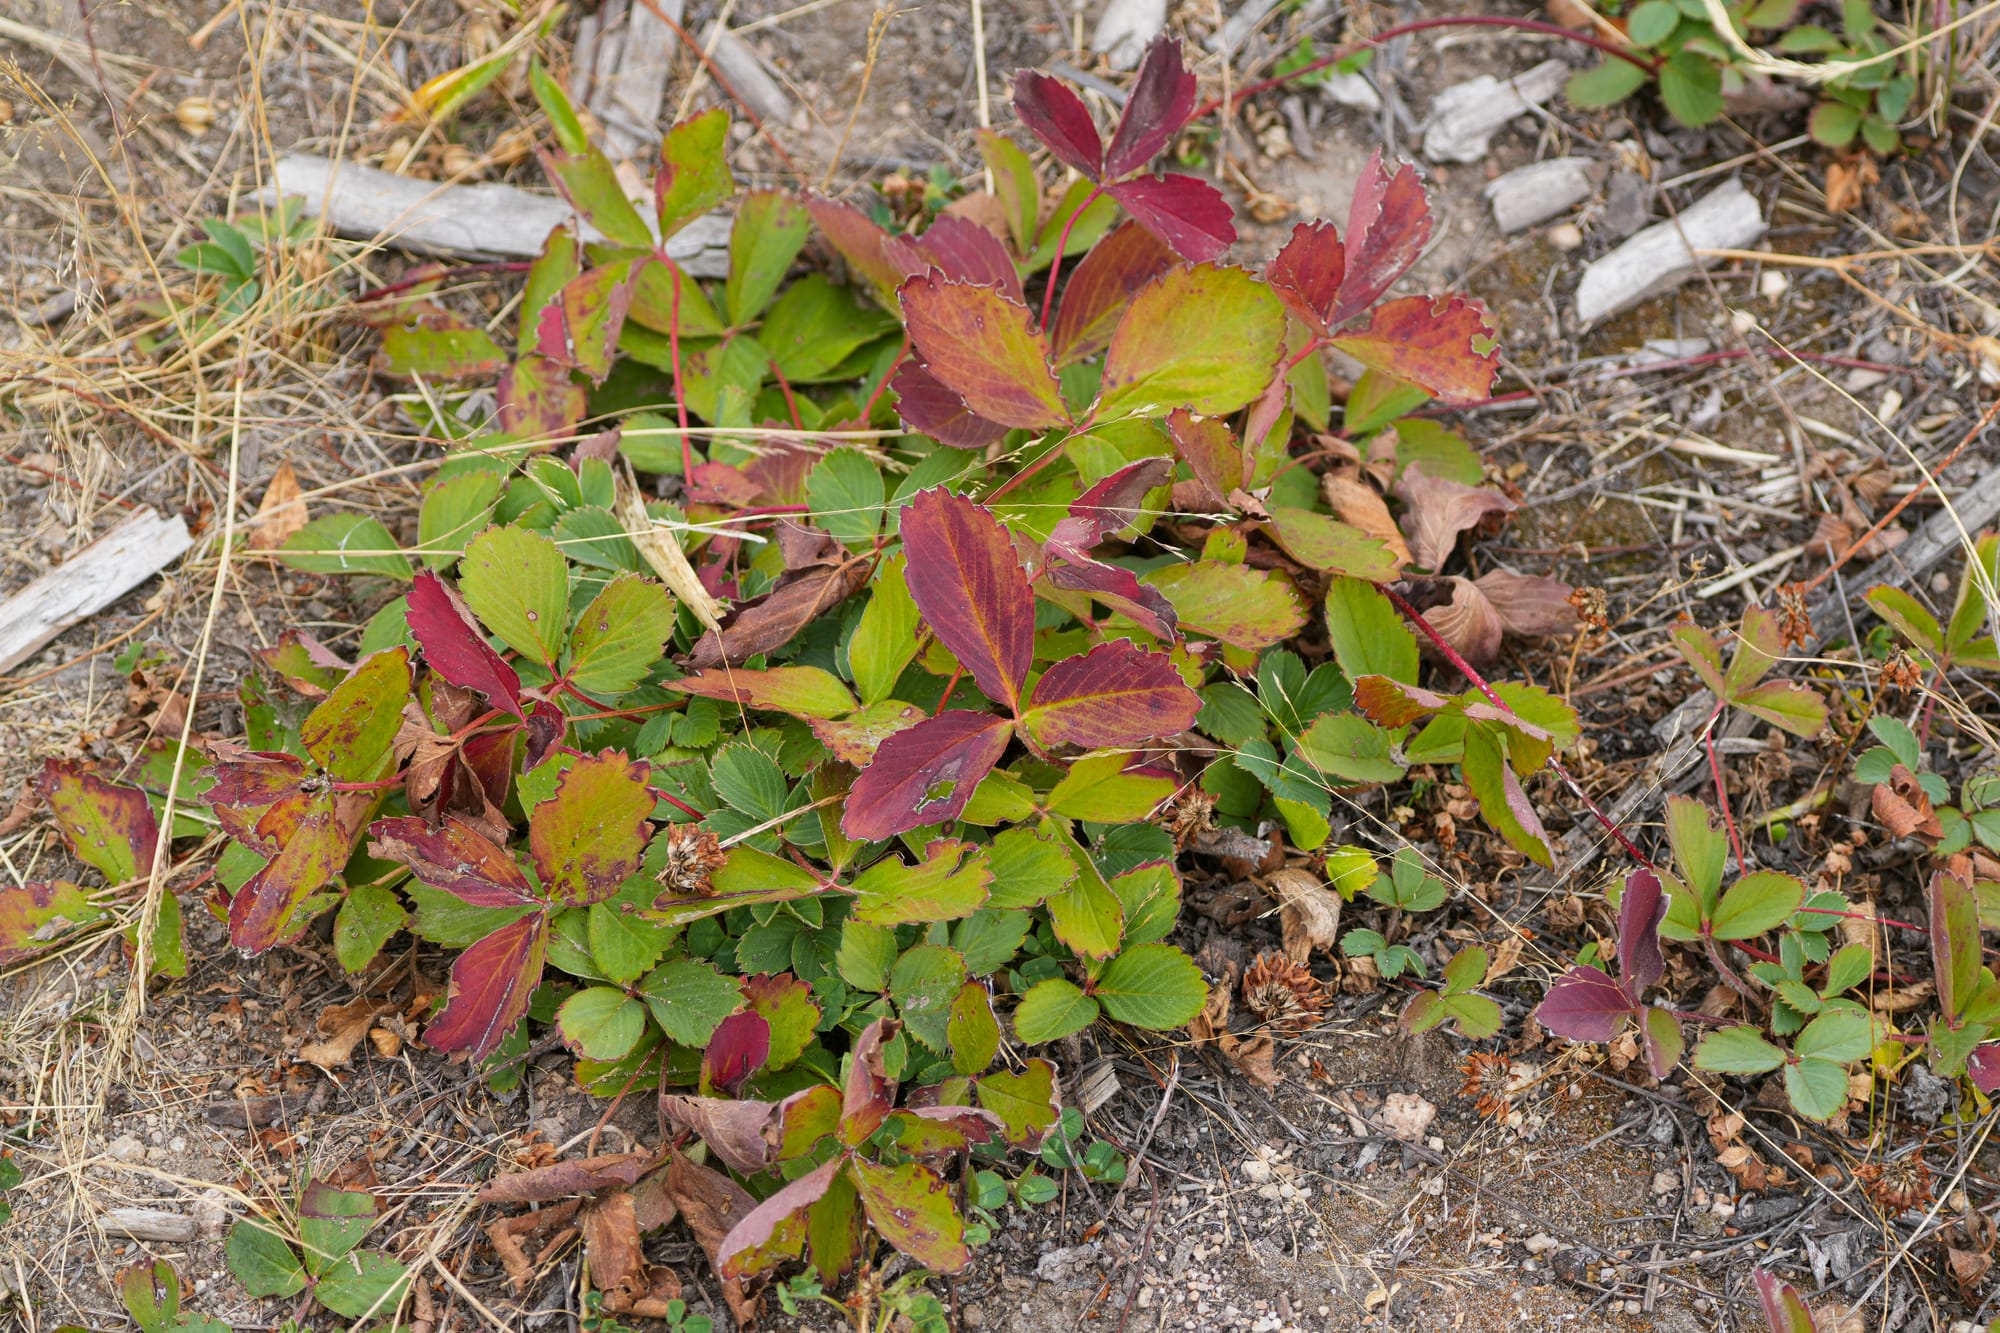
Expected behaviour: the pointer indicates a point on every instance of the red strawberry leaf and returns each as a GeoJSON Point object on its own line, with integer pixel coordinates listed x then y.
{"type": "Point", "coordinates": [1162, 100]}
{"type": "Point", "coordinates": [455, 647]}
{"type": "Point", "coordinates": [1442, 345]}
{"type": "Point", "coordinates": [739, 1047]}
{"type": "Point", "coordinates": [1102, 285]}
{"type": "Point", "coordinates": [1585, 1004]}
{"type": "Point", "coordinates": [929, 408]}
{"type": "Point", "coordinates": [1111, 505]}
{"type": "Point", "coordinates": [869, 1093]}
{"type": "Point", "coordinates": [1058, 117]}
{"type": "Point", "coordinates": [491, 983]}
{"type": "Point", "coordinates": [1115, 694]}
{"type": "Point", "coordinates": [1307, 273]}
{"type": "Point", "coordinates": [1210, 450]}
{"type": "Point", "coordinates": [860, 242]}
{"type": "Point", "coordinates": [963, 251]}
{"type": "Point", "coordinates": [1640, 913]}
{"type": "Point", "coordinates": [984, 347]}
{"type": "Point", "coordinates": [1120, 589]}
{"type": "Point", "coordinates": [108, 826]}
{"type": "Point", "coordinates": [924, 775]}
{"type": "Point", "coordinates": [775, 1230]}
{"type": "Point", "coordinates": [34, 916]}
{"type": "Point", "coordinates": [590, 836]}
{"type": "Point", "coordinates": [538, 400]}
{"type": "Point", "coordinates": [971, 589]}
{"type": "Point", "coordinates": [455, 857]}
{"type": "Point", "coordinates": [1388, 224]}
{"type": "Point", "coordinates": [1190, 215]}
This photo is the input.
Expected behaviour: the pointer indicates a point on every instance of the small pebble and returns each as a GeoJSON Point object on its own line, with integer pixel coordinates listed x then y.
{"type": "Point", "coordinates": [1565, 236]}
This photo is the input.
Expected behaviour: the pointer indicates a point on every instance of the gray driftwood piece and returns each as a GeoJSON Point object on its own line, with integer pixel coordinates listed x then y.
{"type": "Point", "coordinates": [748, 78]}
{"type": "Point", "coordinates": [1539, 191]}
{"type": "Point", "coordinates": [1236, 29]}
{"type": "Point", "coordinates": [1662, 257]}
{"type": "Point", "coordinates": [1679, 732]}
{"type": "Point", "coordinates": [622, 68]}
{"type": "Point", "coordinates": [1465, 117]}
{"type": "Point", "coordinates": [1124, 29]}
{"type": "Point", "coordinates": [464, 221]}
{"type": "Point", "coordinates": [154, 1224]}
{"type": "Point", "coordinates": [88, 581]}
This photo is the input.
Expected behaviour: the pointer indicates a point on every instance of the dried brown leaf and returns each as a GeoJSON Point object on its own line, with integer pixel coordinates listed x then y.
{"type": "Point", "coordinates": [341, 1028]}
{"type": "Point", "coordinates": [586, 1175]}
{"type": "Point", "coordinates": [1437, 510]}
{"type": "Point", "coordinates": [280, 513]}
{"type": "Point", "coordinates": [1308, 912]}
{"type": "Point", "coordinates": [1528, 605]}
{"type": "Point", "coordinates": [771, 621]}
{"type": "Point", "coordinates": [713, 1204]}
{"type": "Point", "coordinates": [1355, 501]}
{"type": "Point", "coordinates": [1901, 805]}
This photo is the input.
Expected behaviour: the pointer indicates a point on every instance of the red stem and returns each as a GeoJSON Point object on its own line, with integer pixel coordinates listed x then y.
{"type": "Point", "coordinates": [785, 387]}
{"type": "Point", "coordinates": [441, 275]}
{"type": "Point", "coordinates": [1062, 244]}
{"type": "Point", "coordinates": [868, 412]}
{"type": "Point", "coordinates": [1467, 21]}
{"type": "Point", "coordinates": [957, 673]}
{"type": "Point", "coordinates": [1466, 669]}
{"type": "Point", "coordinates": [1721, 788]}
{"type": "Point", "coordinates": [1317, 341]}
{"type": "Point", "coordinates": [680, 393]}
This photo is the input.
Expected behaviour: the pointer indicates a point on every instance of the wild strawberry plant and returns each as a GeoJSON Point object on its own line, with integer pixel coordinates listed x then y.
{"type": "Point", "coordinates": [789, 780]}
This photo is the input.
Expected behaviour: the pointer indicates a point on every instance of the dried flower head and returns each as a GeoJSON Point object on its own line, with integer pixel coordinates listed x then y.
{"type": "Point", "coordinates": [1793, 620]}
{"type": "Point", "coordinates": [1190, 815]}
{"type": "Point", "coordinates": [693, 855]}
{"type": "Point", "coordinates": [1900, 673]}
{"type": "Point", "coordinates": [1898, 1186]}
{"type": "Point", "coordinates": [1593, 608]}
{"type": "Point", "coordinates": [1486, 1079]}
{"type": "Point", "coordinates": [1283, 992]}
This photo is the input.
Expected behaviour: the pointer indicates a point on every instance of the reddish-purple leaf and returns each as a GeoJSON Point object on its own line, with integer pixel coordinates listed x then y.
{"type": "Point", "coordinates": [1388, 702]}
{"type": "Point", "coordinates": [1161, 102]}
{"type": "Point", "coordinates": [1103, 284]}
{"type": "Point", "coordinates": [1058, 117]}
{"type": "Point", "coordinates": [963, 251]}
{"type": "Point", "coordinates": [491, 983]}
{"type": "Point", "coordinates": [1190, 215]}
{"type": "Point", "coordinates": [738, 1048]}
{"type": "Point", "coordinates": [929, 408]}
{"type": "Point", "coordinates": [935, 1131]}
{"type": "Point", "coordinates": [1115, 694]}
{"type": "Point", "coordinates": [913, 1209]}
{"type": "Point", "coordinates": [1984, 1066]}
{"type": "Point", "coordinates": [455, 857]}
{"type": "Point", "coordinates": [1209, 449]}
{"type": "Point", "coordinates": [108, 826]}
{"type": "Point", "coordinates": [869, 1093]}
{"type": "Point", "coordinates": [1584, 1004]}
{"type": "Point", "coordinates": [924, 775]}
{"type": "Point", "coordinates": [259, 795]}
{"type": "Point", "coordinates": [971, 589]}
{"type": "Point", "coordinates": [1438, 509]}
{"type": "Point", "coordinates": [1442, 345]}
{"type": "Point", "coordinates": [1308, 272]}
{"type": "Point", "coordinates": [1388, 224]}
{"type": "Point", "coordinates": [1112, 504]}
{"type": "Point", "coordinates": [983, 346]}
{"type": "Point", "coordinates": [444, 628]}
{"type": "Point", "coordinates": [1640, 913]}
{"type": "Point", "coordinates": [545, 727]}
{"type": "Point", "coordinates": [774, 1230]}
{"type": "Point", "coordinates": [1120, 589]}
{"type": "Point", "coordinates": [590, 836]}
{"type": "Point", "coordinates": [860, 242]}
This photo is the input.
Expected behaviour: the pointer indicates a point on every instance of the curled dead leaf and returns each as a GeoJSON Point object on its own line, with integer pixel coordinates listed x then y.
{"type": "Point", "coordinates": [586, 1175]}
{"type": "Point", "coordinates": [1901, 805]}
{"type": "Point", "coordinates": [1437, 510]}
{"type": "Point", "coordinates": [1308, 912]}
{"type": "Point", "coordinates": [280, 513]}
{"type": "Point", "coordinates": [1355, 501]}
{"type": "Point", "coordinates": [341, 1028]}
